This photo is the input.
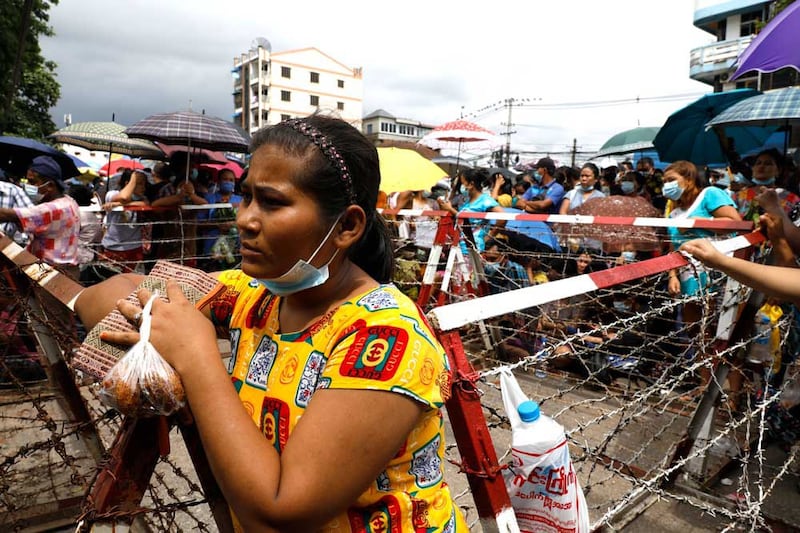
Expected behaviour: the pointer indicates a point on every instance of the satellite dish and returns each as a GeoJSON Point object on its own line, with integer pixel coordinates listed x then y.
{"type": "Point", "coordinates": [263, 43]}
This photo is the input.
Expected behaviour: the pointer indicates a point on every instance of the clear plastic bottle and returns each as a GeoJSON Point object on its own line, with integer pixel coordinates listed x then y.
{"type": "Point", "coordinates": [760, 351]}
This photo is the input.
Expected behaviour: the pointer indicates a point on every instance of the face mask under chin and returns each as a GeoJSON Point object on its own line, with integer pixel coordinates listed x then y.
{"type": "Point", "coordinates": [303, 275]}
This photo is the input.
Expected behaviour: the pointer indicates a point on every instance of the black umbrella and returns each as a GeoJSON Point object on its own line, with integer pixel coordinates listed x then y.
{"type": "Point", "coordinates": [16, 154]}
{"type": "Point", "coordinates": [190, 129]}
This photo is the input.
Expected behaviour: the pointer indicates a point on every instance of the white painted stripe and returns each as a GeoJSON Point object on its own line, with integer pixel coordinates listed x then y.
{"type": "Point", "coordinates": [12, 250]}
{"type": "Point", "coordinates": [507, 521]}
{"type": "Point", "coordinates": [571, 219]}
{"type": "Point", "coordinates": [429, 278]}
{"type": "Point", "coordinates": [71, 303]}
{"type": "Point", "coordinates": [458, 314]}
{"type": "Point", "coordinates": [732, 244]}
{"type": "Point", "coordinates": [41, 273]}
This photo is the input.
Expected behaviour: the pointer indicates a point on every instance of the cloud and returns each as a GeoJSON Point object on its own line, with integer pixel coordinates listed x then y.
{"type": "Point", "coordinates": [422, 60]}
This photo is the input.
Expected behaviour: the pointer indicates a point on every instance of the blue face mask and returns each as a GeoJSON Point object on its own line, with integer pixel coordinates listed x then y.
{"type": "Point", "coordinates": [629, 257]}
{"type": "Point", "coordinates": [739, 178]}
{"type": "Point", "coordinates": [768, 181]}
{"type": "Point", "coordinates": [587, 188]}
{"type": "Point", "coordinates": [33, 193]}
{"type": "Point", "coordinates": [303, 275]}
{"type": "Point", "coordinates": [672, 191]}
{"type": "Point", "coordinates": [226, 187]}
{"type": "Point", "coordinates": [462, 189]}
{"type": "Point", "coordinates": [537, 176]}
{"type": "Point", "coordinates": [627, 187]}
{"type": "Point", "coordinates": [622, 306]}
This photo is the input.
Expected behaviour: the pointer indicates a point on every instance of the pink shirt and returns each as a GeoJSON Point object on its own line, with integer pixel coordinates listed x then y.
{"type": "Point", "coordinates": [55, 226]}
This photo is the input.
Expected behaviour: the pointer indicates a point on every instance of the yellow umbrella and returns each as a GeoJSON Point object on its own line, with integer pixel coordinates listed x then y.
{"type": "Point", "coordinates": [406, 170]}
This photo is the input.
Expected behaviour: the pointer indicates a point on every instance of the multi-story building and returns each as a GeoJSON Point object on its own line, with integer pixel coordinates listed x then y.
{"type": "Point", "coordinates": [381, 127]}
{"type": "Point", "coordinates": [734, 23]}
{"type": "Point", "coordinates": [272, 86]}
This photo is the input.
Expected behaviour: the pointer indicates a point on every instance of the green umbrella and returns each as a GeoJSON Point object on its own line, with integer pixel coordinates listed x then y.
{"type": "Point", "coordinates": [106, 137]}
{"type": "Point", "coordinates": [629, 141]}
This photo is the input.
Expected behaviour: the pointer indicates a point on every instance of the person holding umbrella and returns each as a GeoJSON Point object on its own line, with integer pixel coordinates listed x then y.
{"type": "Point", "coordinates": [54, 221]}
{"type": "Point", "coordinates": [329, 414]}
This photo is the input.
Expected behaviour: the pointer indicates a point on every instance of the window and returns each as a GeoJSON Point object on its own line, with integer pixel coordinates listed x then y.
{"type": "Point", "coordinates": [340, 106]}
{"type": "Point", "coordinates": [369, 129]}
{"type": "Point", "coordinates": [286, 96]}
{"type": "Point", "coordinates": [285, 117]}
{"type": "Point", "coordinates": [314, 99]}
{"type": "Point", "coordinates": [749, 21]}
{"type": "Point", "coordinates": [286, 72]}
{"type": "Point", "coordinates": [315, 77]}
{"type": "Point", "coordinates": [340, 83]}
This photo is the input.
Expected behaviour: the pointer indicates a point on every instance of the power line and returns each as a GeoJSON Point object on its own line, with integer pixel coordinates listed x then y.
{"type": "Point", "coordinates": [535, 103]}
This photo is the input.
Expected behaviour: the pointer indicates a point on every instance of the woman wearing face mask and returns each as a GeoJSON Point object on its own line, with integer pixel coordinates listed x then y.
{"type": "Point", "coordinates": [583, 191]}
{"type": "Point", "coordinates": [691, 200]}
{"type": "Point", "coordinates": [219, 224]}
{"type": "Point", "coordinates": [767, 170]}
{"type": "Point", "coordinates": [122, 242]}
{"type": "Point", "coordinates": [471, 185]}
{"type": "Point", "coordinates": [329, 413]}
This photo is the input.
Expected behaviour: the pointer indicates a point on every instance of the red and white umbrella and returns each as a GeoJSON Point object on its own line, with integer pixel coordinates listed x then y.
{"type": "Point", "coordinates": [461, 135]}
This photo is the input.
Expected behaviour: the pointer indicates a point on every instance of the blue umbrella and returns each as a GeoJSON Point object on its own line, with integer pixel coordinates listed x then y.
{"type": "Point", "coordinates": [16, 154]}
{"type": "Point", "coordinates": [774, 108]}
{"type": "Point", "coordinates": [684, 136]}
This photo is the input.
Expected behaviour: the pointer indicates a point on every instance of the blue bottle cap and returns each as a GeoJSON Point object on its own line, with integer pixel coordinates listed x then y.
{"type": "Point", "coordinates": [528, 411]}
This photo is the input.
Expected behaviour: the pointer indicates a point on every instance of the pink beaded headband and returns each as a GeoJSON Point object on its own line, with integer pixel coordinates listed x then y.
{"type": "Point", "coordinates": [328, 150]}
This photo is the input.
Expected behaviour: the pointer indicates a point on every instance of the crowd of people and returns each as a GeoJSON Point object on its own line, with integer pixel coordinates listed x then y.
{"type": "Point", "coordinates": [516, 254]}
{"type": "Point", "coordinates": [324, 344]}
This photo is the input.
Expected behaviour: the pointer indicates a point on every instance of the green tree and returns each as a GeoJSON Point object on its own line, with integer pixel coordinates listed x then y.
{"type": "Point", "coordinates": [28, 87]}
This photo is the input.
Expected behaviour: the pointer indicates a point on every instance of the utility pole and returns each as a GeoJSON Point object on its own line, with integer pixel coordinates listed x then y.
{"type": "Point", "coordinates": [574, 150]}
{"type": "Point", "coordinates": [510, 104]}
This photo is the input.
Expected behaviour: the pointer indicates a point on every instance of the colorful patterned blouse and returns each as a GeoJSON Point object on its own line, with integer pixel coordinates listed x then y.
{"type": "Point", "coordinates": [378, 341]}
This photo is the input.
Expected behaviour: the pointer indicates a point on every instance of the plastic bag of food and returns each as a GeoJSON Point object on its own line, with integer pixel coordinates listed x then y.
{"type": "Point", "coordinates": [142, 383]}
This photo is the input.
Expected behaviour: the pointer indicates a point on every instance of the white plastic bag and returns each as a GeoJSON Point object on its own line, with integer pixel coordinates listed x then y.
{"type": "Point", "coordinates": [541, 481]}
{"type": "Point", "coordinates": [141, 383]}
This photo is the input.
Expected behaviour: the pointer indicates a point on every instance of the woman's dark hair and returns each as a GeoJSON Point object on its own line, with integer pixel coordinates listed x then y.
{"type": "Point", "coordinates": [565, 175]}
{"type": "Point", "coordinates": [477, 177]}
{"type": "Point", "coordinates": [81, 194]}
{"type": "Point", "coordinates": [593, 168]}
{"type": "Point", "coordinates": [323, 178]}
{"type": "Point", "coordinates": [124, 178]}
{"type": "Point", "coordinates": [775, 155]}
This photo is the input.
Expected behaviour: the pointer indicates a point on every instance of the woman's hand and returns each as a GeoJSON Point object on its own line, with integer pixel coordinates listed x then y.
{"type": "Point", "coordinates": [768, 200]}
{"type": "Point", "coordinates": [182, 335]}
{"type": "Point", "coordinates": [704, 251]}
{"type": "Point", "coordinates": [674, 286]}
{"type": "Point", "coordinates": [773, 225]}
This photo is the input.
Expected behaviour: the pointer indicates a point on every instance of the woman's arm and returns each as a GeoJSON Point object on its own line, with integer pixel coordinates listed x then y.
{"type": "Point", "coordinates": [727, 212]}
{"type": "Point", "coordinates": [780, 282]}
{"type": "Point", "coordinates": [564, 205]}
{"type": "Point", "coordinates": [340, 445]}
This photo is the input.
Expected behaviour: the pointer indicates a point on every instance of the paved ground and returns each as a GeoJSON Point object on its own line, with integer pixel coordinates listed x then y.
{"type": "Point", "coordinates": [644, 441]}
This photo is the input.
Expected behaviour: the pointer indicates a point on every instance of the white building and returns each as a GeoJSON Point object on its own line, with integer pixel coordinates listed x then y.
{"type": "Point", "coordinates": [272, 86]}
{"type": "Point", "coordinates": [734, 23]}
{"type": "Point", "coordinates": [381, 126]}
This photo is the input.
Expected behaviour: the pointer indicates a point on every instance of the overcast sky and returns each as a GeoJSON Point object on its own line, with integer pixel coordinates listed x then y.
{"type": "Point", "coordinates": [424, 60]}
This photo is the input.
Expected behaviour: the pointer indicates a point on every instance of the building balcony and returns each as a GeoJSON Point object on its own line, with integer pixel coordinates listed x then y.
{"type": "Point", "coordinates": [716, 59]}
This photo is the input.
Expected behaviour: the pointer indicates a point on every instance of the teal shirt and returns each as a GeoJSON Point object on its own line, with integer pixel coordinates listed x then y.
{"type": "Point", "coordinates": [713, 198]}
{"type": "Point", "coordinates": [480, 226]}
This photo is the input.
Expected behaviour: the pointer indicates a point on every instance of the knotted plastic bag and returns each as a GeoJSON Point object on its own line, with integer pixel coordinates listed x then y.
{"type": "Point", "coordinates": [142, 383]}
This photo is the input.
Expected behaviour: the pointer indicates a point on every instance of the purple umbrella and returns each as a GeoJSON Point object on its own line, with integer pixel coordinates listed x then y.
{"type": "Point", "coordinates": [777, 46]}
